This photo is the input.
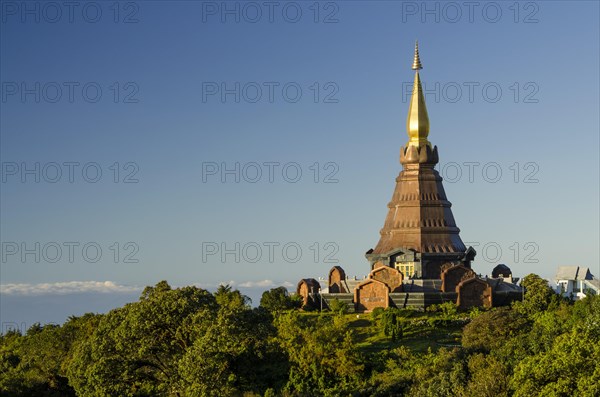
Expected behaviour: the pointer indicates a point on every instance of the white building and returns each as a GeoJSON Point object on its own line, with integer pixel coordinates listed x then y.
{"type": "Point", "coordinates": [576, 282]}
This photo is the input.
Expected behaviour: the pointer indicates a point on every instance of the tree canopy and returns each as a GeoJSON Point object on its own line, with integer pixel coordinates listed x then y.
{"type": "Point", "coordinates": [190, 342]}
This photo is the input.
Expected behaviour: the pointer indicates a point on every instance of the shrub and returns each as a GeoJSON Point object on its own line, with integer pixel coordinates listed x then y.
{"type": "Point", "coordinates": [376, 313]}
{"type": "Point", "coordinates": [390, 323]}
{"type": "Point", "coordinates": [338, 307]}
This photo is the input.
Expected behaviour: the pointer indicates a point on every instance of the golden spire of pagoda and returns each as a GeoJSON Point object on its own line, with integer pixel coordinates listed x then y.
{"type": "Point", "coordinates": [417, 123]}
{"type": "Point", "coordinates": [417, 61]}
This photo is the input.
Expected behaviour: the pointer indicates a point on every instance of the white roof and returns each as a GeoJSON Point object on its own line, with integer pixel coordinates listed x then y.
{"type": "Point", "coordinates": [573, 273]}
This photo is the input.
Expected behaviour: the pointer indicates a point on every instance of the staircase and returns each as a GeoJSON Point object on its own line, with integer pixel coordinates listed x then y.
{"type": "Point", "coordinates": [417, 294]}
{"type": "Point", "coordinates": [424, 285]}
{"type": "Point", "coordinates": [346, 298]}
{"type": "Point", "coordinates": [421, 299]}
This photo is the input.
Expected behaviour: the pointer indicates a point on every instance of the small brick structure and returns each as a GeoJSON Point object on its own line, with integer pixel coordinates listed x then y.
{"type": "Point", "coordinates": [305, 288]}
{"type": "Point", "coordinates": [371, 294]}
{"type": "Point", "coordinates": [473, 292]}
{"type": "Point", "coordinates": [452, 275]}
{"type": "Point", "coordinates": [378, 264]}
{"type": "Point", "coordinates": [389, 276]}
{"type": "Point", "coordinates": [337, 276]}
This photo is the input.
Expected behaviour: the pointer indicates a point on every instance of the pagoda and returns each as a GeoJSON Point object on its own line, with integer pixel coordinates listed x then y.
{"type": "Point", "coordinates": [420, 259]}
{"type": "Point", "coordinates": [419, 235]}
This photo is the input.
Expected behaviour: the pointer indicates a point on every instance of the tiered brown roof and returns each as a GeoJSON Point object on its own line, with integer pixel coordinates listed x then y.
{"type": "Point", "coordinates": [419, 215]}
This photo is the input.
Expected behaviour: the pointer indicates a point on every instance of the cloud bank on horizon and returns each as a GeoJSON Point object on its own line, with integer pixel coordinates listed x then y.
{"type": "Point", "coordinates": [67, 287]}
{"type": "Point", "coordinates": [75, 287]}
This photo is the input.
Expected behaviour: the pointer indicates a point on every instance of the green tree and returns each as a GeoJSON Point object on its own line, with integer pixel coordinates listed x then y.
{"type": "Point", "coordinates": [397, 375]}
{"type": "Point", "coordinates": [538, 296]}
{"type": "Point", "coordinates": [12, 373]}
{"type": "Point", "coordinates": [492, 329]}
{"type": "Point", "coordinates": [390, 323]}
{"type": "Point", "coordinates": [440, 374]}
{"type": "Point", "coordinates": [135, 349]}
{"type": "Point", "coordinates": [570, 364]}
{"type": "Point", "coordinates": [488, 377]}
{"type": "Point", "coordinates": [569, 368]}
{"type": "Point", "coordinates": [227, 297]}
{"type": "Point", "coordinates": [278, 299]}
{"type": "Point", "coordinates": [233, 352]}
{"type": "Point", "coordinates": [323, 358]}
{"type": "Point", "coordinates": [547, 326]}
{"type": "Point", "coordinates": [35, 364]}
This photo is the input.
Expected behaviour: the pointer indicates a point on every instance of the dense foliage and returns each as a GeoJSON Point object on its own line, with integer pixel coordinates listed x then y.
{"type": "Point", "coordinates": [189, 342]}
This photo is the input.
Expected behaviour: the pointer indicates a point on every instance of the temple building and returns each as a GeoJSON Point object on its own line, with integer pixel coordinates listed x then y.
{"type": "Point", "coordinates": [420, 258]}
{"type": "Point", "coordinates": [419, 235]}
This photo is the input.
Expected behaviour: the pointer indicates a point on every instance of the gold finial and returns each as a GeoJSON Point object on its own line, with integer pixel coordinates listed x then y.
{"type": "Point", "coordinates": [417, 124]}
{"type": "Point", "coordinates": [417, 62]}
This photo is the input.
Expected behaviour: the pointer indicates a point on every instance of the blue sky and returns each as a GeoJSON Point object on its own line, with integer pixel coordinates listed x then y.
{"type": "Point", "coordinates": [130, 114]}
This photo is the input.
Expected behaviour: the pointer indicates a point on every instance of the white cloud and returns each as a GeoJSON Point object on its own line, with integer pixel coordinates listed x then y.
{"type": "Point", "coordinates": [254, 284]}
{"type": "Point", "coordinates": [246, 284]}
{"type": "Point", "coordinates": [67, 287]}
{"type": "Point", "coordinates": [241, 284]}
{"type": "Point", "coordinates": [74, 287]}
